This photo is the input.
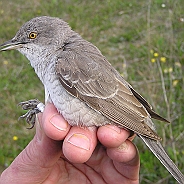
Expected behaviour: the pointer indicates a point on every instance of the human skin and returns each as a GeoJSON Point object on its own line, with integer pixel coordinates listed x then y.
{"type": "Point", "coordinates": [60, 154]}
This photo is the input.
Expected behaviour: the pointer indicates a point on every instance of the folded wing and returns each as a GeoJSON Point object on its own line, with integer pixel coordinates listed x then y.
{"type": "Point", "coordinates": [86, 74]}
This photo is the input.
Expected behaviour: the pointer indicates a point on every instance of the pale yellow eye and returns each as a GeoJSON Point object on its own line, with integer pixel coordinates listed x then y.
{"type": "Point", "coordinates": [32, 35]}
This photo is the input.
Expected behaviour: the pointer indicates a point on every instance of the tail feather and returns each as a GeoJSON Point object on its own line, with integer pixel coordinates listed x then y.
{"type": "Point", "coordinates": [160, 153]}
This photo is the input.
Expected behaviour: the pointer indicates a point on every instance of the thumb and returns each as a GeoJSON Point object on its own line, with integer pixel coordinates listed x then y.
{"type": "Point", "coordinates": [35, 162]}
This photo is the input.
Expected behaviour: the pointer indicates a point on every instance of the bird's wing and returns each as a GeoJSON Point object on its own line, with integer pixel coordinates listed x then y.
{"type": "Point", "coordinates": [86, 74]}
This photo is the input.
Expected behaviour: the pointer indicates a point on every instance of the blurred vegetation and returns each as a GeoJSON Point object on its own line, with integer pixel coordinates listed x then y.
{"type": "Point", "coordinates": [142, 39]}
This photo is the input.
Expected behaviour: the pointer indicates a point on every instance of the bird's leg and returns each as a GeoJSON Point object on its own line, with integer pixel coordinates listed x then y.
{"type": "Point", "coordinates": [33, 106]}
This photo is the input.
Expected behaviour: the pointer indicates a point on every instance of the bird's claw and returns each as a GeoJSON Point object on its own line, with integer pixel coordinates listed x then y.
{"type": "Point", "coordinates": [30, 104]}
{"type": "Point", "coordinates": [33, 109]}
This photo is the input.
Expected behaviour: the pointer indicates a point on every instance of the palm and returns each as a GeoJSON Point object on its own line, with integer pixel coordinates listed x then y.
{"type": "Point", "coordinates": [98, 169]}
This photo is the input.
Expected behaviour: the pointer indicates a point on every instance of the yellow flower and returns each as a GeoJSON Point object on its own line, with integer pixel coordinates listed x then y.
{"type": "Point", "coordinates": [39, 11]}
{"type": "Point", "coordinates": [163, 59]}
{"type": "Point", "coordinates": [15, 138]}
{"type": "Point", "coordinates": [5, 62]}
{"type": "Point", "coordinates": [155, 54]}
{"type": "Point", "coordinates": [153, 60]}
{"type": "Point", "coordinates": [175, 82]}
{"type": "Point", "coordinates": [170, 69]}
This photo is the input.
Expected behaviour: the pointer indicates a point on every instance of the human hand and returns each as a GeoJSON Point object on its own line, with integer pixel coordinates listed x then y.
{"type": "Point", "coordinates": [62, 154]}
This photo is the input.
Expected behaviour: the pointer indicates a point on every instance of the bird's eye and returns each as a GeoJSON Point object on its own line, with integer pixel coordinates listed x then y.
{"type": "Point", "coordinates": [32, 35]}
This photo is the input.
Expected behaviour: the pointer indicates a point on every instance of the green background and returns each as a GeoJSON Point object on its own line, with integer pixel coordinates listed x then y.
{"type": "Point", "coordinates": [128, 33]}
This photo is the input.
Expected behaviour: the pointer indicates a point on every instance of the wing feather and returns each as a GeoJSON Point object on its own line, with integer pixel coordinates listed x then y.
{"type": "Point", "coordinates": [86, 74]}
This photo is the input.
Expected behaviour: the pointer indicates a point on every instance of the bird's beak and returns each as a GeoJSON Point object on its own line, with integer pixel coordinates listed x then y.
{"type": "Point", "coordinates": [10, 45]}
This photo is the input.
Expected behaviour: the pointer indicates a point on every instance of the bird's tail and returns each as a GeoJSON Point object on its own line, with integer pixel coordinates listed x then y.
{"type": "Point", "coordinates": [160, 153]}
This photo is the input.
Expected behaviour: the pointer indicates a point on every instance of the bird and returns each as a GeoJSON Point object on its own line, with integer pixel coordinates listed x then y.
{"type": "Point", "coordinates": [84, 87]}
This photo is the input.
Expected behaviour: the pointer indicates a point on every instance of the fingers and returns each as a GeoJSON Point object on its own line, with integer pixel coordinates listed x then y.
{"type": "Point", "coordinates": [79, 143]}
{"type": "Point", "coordinates": [126, 160]}
{"type": "Point", "coordinates": [121, 150]}
{"type": "Point", "coordinates": [118, 143]}
{"type": "Point", "coordinates": [125, 153]}
{"type": "Point", "coordinates": [54, 125]}
{"type": "Point", "coordinates": [112, 136]}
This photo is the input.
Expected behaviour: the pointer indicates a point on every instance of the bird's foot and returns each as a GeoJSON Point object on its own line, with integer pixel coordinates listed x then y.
{"type": "Point", "coordinates": [33, 106]}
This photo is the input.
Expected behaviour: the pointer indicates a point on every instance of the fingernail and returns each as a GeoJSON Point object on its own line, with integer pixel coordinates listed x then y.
{"type": "Point", "coordinates": [115, 128]}
{"type": "Point", "coordinates": [57, 121]}
{"type": "Point", "coordinates": [123, 146]}
{"type": "Point", "coordinates": [80, 141]}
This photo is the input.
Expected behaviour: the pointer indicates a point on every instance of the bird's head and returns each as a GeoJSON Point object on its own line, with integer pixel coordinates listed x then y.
{"type": "Point", "coordinates": [39, 36]}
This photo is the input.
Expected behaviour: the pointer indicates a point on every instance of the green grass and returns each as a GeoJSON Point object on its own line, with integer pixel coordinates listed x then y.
{"type": "Point", "coordinates": [125, 32]}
